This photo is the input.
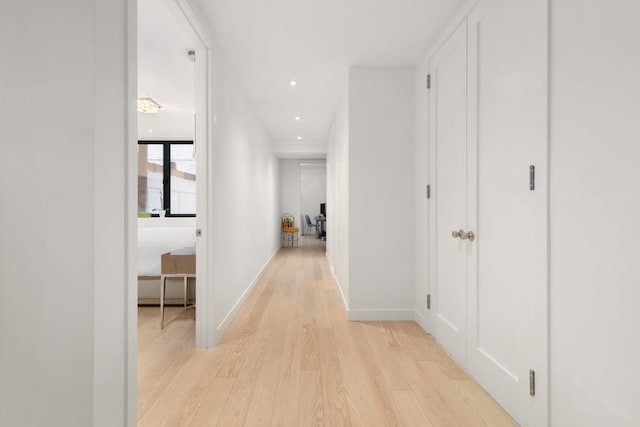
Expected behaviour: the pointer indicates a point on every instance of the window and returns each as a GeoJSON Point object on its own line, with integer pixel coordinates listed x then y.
{"type": "Point", "coordinates": [166, 178]}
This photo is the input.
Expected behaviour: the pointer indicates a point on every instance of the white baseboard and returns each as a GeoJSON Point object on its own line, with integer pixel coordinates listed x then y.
{"type": "Point", "coordinates": [156, 301]}
{"type": "Point", "coordinates": [222, 327]}
{"type": "Point", "coordinates": [344, 299]}
{"type": "Point", "coordinates": [422, 321]}
{"type": "Point", "coordinates": [370, 315]}
{"type": "Point", "coordinates": [337, 282]}
{"type": "Point", "coordinates": [364, 315]}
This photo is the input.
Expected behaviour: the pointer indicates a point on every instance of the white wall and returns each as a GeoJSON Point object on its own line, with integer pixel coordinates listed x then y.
{"type": "Point", "coordinates": [370, 209]}
{"type": "Point", "coordinates": [313, 189]}
{"type": "Point", "coordinates": [246, 179]}
{"type": "Point", "coordinates": [62, 192]}
{"type": "Point", "coordinates": [381, 192]}
{"type": "Point", "coordinates": [338, 198]}
{"type": "Point", "coordinates": [595, 287]}
{"type": "Point", "coordinates": [290, 203]}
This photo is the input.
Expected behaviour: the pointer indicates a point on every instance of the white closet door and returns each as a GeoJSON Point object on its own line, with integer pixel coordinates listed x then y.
{"type": "Point", "coordinates": [508, 261]}
{"type": "Point", "coordinates": [448, 118]}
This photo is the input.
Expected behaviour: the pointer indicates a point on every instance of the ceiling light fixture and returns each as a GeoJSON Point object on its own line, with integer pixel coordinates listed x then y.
{"type": "Point", "coordinates": [299, 138]}
{"type": "Point", "coordinates": [292, 83]}
{"type": "Point", "coordinates": [297, 118]}
{"type": "Point", "coordinates": [148, 106]}
{"type": "Point", "coordinates": [150, 131]}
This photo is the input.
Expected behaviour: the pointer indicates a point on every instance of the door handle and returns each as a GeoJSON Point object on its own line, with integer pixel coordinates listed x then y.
{"type": "Point", "coordinates": [463, 235]}
{"type": "Point", "coordinates": [469, 235]}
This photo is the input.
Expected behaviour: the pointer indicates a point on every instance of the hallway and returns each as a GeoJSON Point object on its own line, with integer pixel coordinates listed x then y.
{"type": "Point", "coordinates": [291, 358]}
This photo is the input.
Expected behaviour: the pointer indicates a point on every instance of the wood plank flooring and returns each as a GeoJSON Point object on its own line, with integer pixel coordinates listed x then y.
{"type": "Point", "coordinates": [290, 358]}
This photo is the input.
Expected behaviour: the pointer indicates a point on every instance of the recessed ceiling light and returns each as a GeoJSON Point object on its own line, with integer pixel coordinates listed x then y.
{"type": "Point", "coordinates": [297, 118]}
{"type": "Point", "coordinates": [148, 105]}
{"type": "Point", "coordinates": [299, 138]}
{"type": "Point", "coordinates": [150, 131]}
{"type": "Point", "coordinates": [292, 83]}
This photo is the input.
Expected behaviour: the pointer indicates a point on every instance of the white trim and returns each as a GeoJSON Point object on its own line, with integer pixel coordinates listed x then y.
{"type": "Point", "coordinates": [152, 302]}
{"type": "Point", "coordinates": [189, 12]}
{"type": "Point", "coordinates": [422, 321]}
{"type": "Point", "coordinates": [337, 282]}
{"type": "Point", "coordinates": [205, 147]}
{"type": "Point", "coordinates": [222, 327]}
{"type": "Point", "coordinates": [450, 28]}
{"type": "Point", "coordinates": [380, 314]}
{"type": "Point", "coordinates": [361, 315]}
{"type": "Point", "coordinates": [131, 223]}
{"type": "Point", "coordinates": [344, 300]}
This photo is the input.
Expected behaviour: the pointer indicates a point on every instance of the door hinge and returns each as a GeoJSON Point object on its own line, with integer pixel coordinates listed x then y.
{"type": "Point", "coordinates": [428, 191]}
{"type": "Point", "coordinates": [532, 178]}
{"type": "Point", "coordinates": [429, 302]}
{"type": "Point", "coordinates": [428, 81]}
{"type": "Point", "coordinates": [532, 382]}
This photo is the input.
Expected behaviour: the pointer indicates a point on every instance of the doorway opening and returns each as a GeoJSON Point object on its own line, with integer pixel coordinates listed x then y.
{"type": "Point", "coordinates": [171, 253]}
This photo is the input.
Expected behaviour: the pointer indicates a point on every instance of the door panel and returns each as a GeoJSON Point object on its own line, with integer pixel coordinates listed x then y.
{"type": "Point", "coordinates": [448, 116]}
{"type": "Point", "coordinates": [508, 263]}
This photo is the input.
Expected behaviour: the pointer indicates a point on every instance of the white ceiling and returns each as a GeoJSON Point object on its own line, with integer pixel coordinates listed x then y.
{"type": "Point", "coordinates": [165, 73]}
{"type": "Point", "coordinates": [270, 42]}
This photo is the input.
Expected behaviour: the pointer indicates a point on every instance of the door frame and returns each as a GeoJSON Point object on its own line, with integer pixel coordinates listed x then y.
{"type": "Point", "coordinates": [204, 131]}
{"type": "Point", "coordinates": [204, 146]}
{"type": "Point", "coordinates": [428, 286]}
{"type": "Point", "coordinates": [435, 191]}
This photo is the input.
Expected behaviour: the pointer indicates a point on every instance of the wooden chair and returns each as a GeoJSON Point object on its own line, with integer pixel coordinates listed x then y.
{"type": "Point", "coordinates": [289, 231]}
{"type": "Point", "coordinates": [180, 263]}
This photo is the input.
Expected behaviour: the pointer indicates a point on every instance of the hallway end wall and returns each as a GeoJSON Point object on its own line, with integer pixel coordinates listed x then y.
{"type": "Point", "coordinates": [290, 193]}
{"type": "Point", "coordinates": [304, 188]}
{"type": "Point", "coordinates": [313, 190]}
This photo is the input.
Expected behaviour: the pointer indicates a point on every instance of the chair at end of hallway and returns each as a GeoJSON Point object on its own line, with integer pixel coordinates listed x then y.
{"type": "Point", "coordinates": [311, 224]}
{"type": "Point", "coordinates": [289, 230]}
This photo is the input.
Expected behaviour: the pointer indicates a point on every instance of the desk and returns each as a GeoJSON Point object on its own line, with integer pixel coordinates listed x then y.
{"type": "Point", "coordinates": [177, 263]}
{"type": "Point", "coordinates": [321, 227]}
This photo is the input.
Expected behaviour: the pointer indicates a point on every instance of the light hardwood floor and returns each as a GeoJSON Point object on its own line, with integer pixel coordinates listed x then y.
{"type": "Point", "coordinates": [291, 358]}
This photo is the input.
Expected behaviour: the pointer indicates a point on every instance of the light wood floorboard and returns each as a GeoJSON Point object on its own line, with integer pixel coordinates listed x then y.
{"type": "Point", "coordinates": [290, 358]}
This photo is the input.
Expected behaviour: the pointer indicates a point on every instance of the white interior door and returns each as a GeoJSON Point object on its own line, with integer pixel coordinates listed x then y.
{"type": "Point", "coordinates": [448, 118]}
{"type": "Point", "coordinates": [508, 262]}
